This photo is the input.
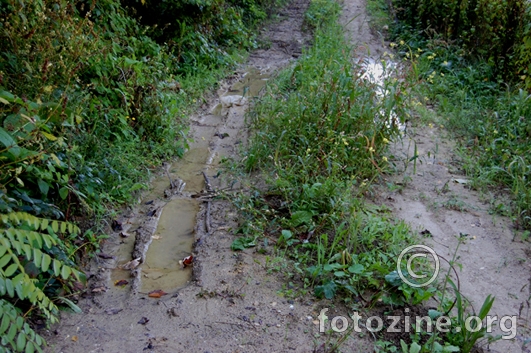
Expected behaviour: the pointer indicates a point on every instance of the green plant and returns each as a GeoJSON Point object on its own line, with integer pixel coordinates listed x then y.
{"type": "Point", "coordinates": [32, 263]}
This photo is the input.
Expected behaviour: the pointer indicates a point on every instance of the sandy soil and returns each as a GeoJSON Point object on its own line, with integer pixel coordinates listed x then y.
{"type": "Point", "coordinates": [233, 302]}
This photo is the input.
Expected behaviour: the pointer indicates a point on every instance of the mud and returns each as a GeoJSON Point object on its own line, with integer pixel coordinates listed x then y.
{"type": "Point", "coordinates": [234, 302]}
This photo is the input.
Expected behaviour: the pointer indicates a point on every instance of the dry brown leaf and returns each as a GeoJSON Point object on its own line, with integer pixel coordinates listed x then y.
{"type": "Point", "coordinates": [131, 264]}
{"type": "Point", "coordinates": [121, 282]}
{"type": "Point", "coordinates": [157, 293]}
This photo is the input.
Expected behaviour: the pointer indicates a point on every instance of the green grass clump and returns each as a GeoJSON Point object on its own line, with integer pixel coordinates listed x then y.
{"type": "Point", "coordinates": [320, 133]}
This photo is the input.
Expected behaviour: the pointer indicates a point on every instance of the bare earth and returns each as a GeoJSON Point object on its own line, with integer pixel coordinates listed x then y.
{"type": "Point", "coordinates": [232, 303]}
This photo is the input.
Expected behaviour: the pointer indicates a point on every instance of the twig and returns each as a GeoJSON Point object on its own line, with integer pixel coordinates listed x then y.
{"type": "Point", "coordinates": [207, 218]}
{"type": "Point", "coordinates": [208, 186]}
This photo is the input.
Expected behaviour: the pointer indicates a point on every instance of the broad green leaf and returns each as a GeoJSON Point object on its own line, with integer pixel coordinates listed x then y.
{"type": "Point", "coordinates": [328, 290]}
{"type": "Point", "coordinates": [356, 269]}
{"type": "Point", "coordinates": [6, 139]}
{"type": "Point", "coordinates": [65, 272]}
{"type": "Point", "coordinates": [49, 136]}
{"type": "Point", "coordinates": [301, 217]}
{"type": "Point", "coordinates": [21, 340]}
{"type": "Point", "coordinates": [44, 224]}
{"type": "Point", "coordinates": [63, 227]}
{"type": "Point", "coordinates": [56, 267]}
{"type": "Point", "coordinates": [3, 250]}
{"type": "Point", "coordinates": [63, 192]}
{"type": "Point", "coordinates": [11, 333]}
{"type": "Point", "coordinates": [8, 272]}
{"type": "Point", "coordinates": [29, 348]}
{"type": "Point", "coordinates": [43, 187]}
{"type": "Point", "coordinates": [55, 226]}
{"type": "Point", "coordinates": [37, 257]}
{"type": "Point", "coordinates": [71, 304]}
{"type": "Point", "coordinates": [415, 348]}
{"type": "Point", "coordinates": [5, 260]}
{"type": "Point", "coordinates": [242, 243]}
{"type": "Point", "coordinates": [19, 322]}
{"type": "Point", "coordinates": [5, 323]}
{"type": "Point", "coordinates": [46, 261]}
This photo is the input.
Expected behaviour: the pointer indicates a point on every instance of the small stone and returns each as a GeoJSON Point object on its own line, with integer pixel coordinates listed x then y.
{"type": "Point", "coordinates": [174, 311]}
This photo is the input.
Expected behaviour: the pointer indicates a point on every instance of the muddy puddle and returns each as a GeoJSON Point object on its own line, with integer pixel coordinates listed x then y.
{"type": "Point", "coordinates": [172, 214]}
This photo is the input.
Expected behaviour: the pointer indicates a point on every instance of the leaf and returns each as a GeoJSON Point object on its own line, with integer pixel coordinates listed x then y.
{"type": "Point", "coordinates": [301, 217]}
{"type": "Point", "coordinates": [356, 269]}
{"type": "Point", "coordinates": [394, 279]}
{"type": "Point", "coordinates": [46, 261]}
{"type": "Point", "coordinates": [56, 267]}
{"type": "Point", "coordinates": [5, 260]}
{"type": "Point", "coordinates": [30, 348]}
{"type": "Point", "coordinates": [242, 243]}
{"type": "Point", "coordinates": [328, 290]}
{"type": "Point", "coordinates": [21, 341]}
{"type": "Point", "coordinates": [286, 234]}
{"type": "Point", "coordinates": [8, 272]}
{"type": "Point", "coordinates": [66, 272]}
{"type": "Point", "coordinates": [6, 139]}
{"type": "Point", "coordinates": [415, 348]}
{"type": "Point", "coordinates": [43, 187]}
{"type": "Point", "coordinates": [157, 293]}
{"type": "Point", "coordinates": [49, 136]}
{"type": "Point", "coordinates": [63, 192]}
{"type": "Point", "coordinates": [121, 282]}
{"type": "Point", "coordinates": [71, 305]}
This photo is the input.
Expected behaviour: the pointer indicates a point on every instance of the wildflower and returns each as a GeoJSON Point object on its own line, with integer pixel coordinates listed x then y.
{"type": "Point", "coordinates": [495, 132]}
{"type": "Point", "coordinates": [384, 158]}
{"type": "Point", "coordinates": [420, 50]}
{"type": "Point", "coordinates": [345, 142]}
{"type": "Point", "coordinates": [385, 140]}
{"type": "Point", "coordinates": [522, 77]}
{"type": "Point", "coordinates": [442, 74]}
{"type": "Point", "coordinates": [430, 125]}
{"type": "Point", "coordinates": [371, 149]}
{"type": "Point", "coordinates": [392, 45]}
{"type": "Point", "coordinates": [308, 151]}
{"type": "Point", "coordinates": [363, 184]}
{"type": "Point", "coordinates": [445, 63]}
{"type": "Point", "coordinates": [430, 57]}
{"type": "Point", "coordinates": [402, 42]}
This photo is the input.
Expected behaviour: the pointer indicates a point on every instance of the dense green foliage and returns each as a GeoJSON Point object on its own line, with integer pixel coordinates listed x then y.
{"type": "Point", "coordinates": [496, 31]}
{"type": "Point", "coordinates": [93, 96]}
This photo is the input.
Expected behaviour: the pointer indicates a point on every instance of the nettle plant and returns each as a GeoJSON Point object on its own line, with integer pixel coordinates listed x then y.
{"type": "Point", "coordinates": [34, 271]}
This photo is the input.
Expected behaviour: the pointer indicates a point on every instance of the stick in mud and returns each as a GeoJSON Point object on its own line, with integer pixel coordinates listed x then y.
{"type": "Point", "coordinates": [207, 217]}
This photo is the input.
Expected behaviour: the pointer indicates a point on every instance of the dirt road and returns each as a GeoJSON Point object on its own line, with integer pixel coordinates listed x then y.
{"type": "Point", "coordinates": [232, 302]}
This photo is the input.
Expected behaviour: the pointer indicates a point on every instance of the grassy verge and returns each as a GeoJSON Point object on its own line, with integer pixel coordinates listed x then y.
{"type": "Point", "coordinates": [319, 139]}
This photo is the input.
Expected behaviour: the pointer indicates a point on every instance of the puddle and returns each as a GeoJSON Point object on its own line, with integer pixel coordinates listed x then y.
{"type": "Point", "coordinates": [174, 236]}
{"type": "Point", "coordinates": [377, 72]}
{"type": "Point", "coordinates": [171, 242]}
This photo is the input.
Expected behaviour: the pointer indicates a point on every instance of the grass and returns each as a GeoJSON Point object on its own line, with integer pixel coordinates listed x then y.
{"type": "Point", "coordinates": [319, 137]}
{"type": "Point", "coordinates": [487, 118]}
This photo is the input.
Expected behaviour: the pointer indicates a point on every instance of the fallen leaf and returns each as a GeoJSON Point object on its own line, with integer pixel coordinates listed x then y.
{"type": "Point", "coordinates": [187, 261]}
{"type": "Point", "coordinates": [99, 289]}
{"type": "Point", "coordinates": [131, 264]}
{"type": "Point", "coordinates": [74, 338]}
{"type": "Point", "coordinates": [157, 293]}
{"type": "Point", "coordinates": [121, 282]}
{"type": "Point", "coordinates": [144, 320]}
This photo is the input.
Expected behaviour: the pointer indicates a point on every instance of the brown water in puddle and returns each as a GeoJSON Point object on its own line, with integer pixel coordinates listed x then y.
{"type": "Point", "coordinates": [172, 242]}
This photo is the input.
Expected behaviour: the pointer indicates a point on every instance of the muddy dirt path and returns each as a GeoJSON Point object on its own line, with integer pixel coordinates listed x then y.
{"type": "Point", "coordinates": [231, 302]}
{"type": "Point", "coordinates": [434, 198]}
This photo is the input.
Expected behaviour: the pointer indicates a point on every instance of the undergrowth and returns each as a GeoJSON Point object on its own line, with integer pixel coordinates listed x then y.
{"type": "Point", "coordinates": [320, 133]}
